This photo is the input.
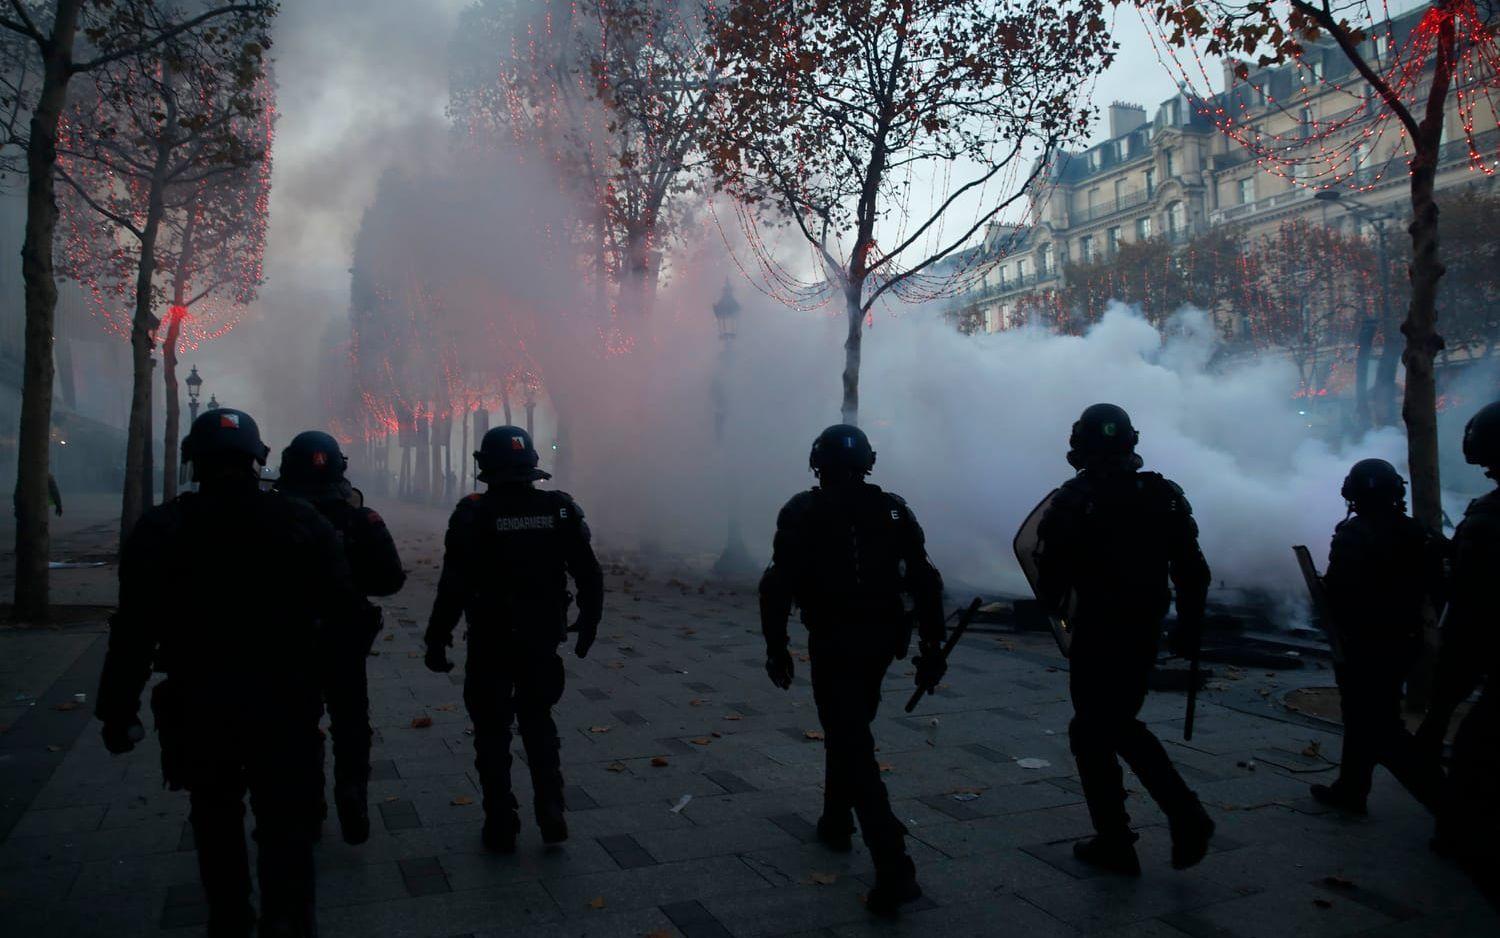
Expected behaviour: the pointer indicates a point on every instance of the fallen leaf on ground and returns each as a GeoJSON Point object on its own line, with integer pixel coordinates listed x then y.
{"type": "Point", "coordinates": [1051, 670]}
{"type": "Point", "coordinates": [597, 902]}
{"type": "Point", "coordinates": [600, 729]}
{"type": "Point", "coordinates": [733, 716]}
{"type": "Point", "coordinates": [615, 665]}
{"type": "Point", "coordinates": [54, 749]}
{"type": "Point", "coordinates": [965, 790]}
{"type": "Point", "coordinates": [446, 708]}
{"type": "Point", "coordinates": [700, 741]}
{"type": "Point", "coordinates": [887, 767]}
{"type": "Point", "coordinates": [1312, 749]}
{"type": "Point", "coordinates": [697, 702]}
{"type": "Point", "coordinates": [659, 761]}
{"type": "Point", "coordinates": [1323, 903]}
{"type": "Point", "coordinates": [813, 734]}
{"type": "Point", "coordinates": [1338, 882]}
{"type": "Point", "coordinates": [421, 723]}
{"type": "Point", "coordinates": [389, 638]}
{"type": "Point", "coordinates": [615, 767]}
{"type": "Point", "coordinates": [716, 734]}
{"type": "Point", "coordinates": [390, 798]}
{"type": "Point", "coordinates": [414, 654]}
{"type": "Point", "coordinates": [462, 800]}
{"type": "Point", "coordinates": [821, 879]}
{"type": "Point", "coordinates": [66, 705]}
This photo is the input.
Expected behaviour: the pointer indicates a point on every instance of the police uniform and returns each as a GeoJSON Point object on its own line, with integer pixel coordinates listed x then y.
{"type": "Point", "coordinates": [236, 595]}
{"type": "Point", "coordinates": [312, 469]}
{"type": "Point", "coordinates": [845, 552]}
{"type": "Point", "coordinates": [1108, 544]}
{"type": "Point", "coordinates": [1382, 569]}
{"type": "Point", "coordinates": [1468, 816]}
{"type": "Point", "coordinates": [508, 554]}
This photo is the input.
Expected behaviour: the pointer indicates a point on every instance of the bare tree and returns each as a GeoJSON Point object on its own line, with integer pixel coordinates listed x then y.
{"type": "Point", "coordinates": [1445, 34]}
{"type": "Point", "coordinates": [830, 109]}
{"type": "Point", "coordinates": [65, 38]}
{"type": "Point", "coordinates": [164, 148]}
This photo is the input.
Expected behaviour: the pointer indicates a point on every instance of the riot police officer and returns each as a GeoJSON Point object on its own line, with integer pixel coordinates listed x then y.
{"type": "Point", "coordinates": [845, 552]}
{"type": "Point", "coordinates": [508, 554]}
{"type": "Point", "coordinates": [232, 592]}
{"type": "Point", "coordinates": [1468, 816]}
{"type": "Point", "coordinates": [312, 469]}
{"type": "Point", "coordinates": [1382, 569]}
{"type": "Point", "coordinates": [1108, 543]}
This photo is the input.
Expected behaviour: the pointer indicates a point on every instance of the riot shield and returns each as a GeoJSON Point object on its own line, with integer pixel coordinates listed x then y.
{"type": "Point", "coordinates": [1319, 601]}
{"type": "Point", "coordinates": [1025, 547]}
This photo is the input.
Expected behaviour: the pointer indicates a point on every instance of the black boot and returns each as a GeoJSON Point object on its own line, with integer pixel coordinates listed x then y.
{"type": "Point", "coordinates": [549, 818]}
{"type": "Point", "coordinates": [1112, 854]}
{"type": "Point", "coordinates": [836, 835]}
{"type": "Point", "coordinates": [1190, 836]}
{"type": "Point", "coordinates": [353, 804]}
{"type": "Point", "coordinates": [1340, 799]}
{"type": "Point", "coordinates": [500, 830]}
{"type": "Point", "coordinates": [895, 885]}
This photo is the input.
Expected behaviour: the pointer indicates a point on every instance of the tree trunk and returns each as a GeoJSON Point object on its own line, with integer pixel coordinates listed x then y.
{"type": "Point", "coordinates": [531, 419]}
{"type": "Point", "coordinates": [169, 355]}
{"type": "Point", "coordinates": [1419, 409]}
{"type": "Point", "coordinates": [505, 406]}
{"type": "Point", "coordinates": [33, 438]}
{"type": "Point", "coordinates": [463, 465]}
{"type": "Point", "coordinates": [142, 329]}
{"type": "Point", "coordinates": [169, 433]}
{"type": "Point", "coordinates": [850, 408]}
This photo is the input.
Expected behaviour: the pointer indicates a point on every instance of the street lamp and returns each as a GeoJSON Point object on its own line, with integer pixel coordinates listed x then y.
{"type": "Point", "coordinates": [213, 402]}
{"type": "Point", "coordinates": [735, 559]}
{"type": "Point", "coordinates": [194, 387]}
{"type": "Point", "coordinates": [1385, 374]}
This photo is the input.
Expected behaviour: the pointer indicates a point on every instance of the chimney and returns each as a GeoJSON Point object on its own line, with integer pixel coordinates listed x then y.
{"type": "Point", "coordinates": [1125, 117]}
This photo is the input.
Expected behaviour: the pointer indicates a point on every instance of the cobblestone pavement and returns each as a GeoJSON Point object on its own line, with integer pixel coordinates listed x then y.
{"type": "Point", "coordinates": [693, 789]}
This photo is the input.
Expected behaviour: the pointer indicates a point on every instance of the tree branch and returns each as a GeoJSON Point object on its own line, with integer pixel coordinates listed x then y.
{"type": "Point", "coordinates": [166, 35]}
{"type": "Point", "coordinates": [1324, 17]}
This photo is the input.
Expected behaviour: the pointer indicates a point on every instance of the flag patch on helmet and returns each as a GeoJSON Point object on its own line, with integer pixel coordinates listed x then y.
{"type": "Point", "coordinates": [320, 460]}
{"type": "Point", "coordinates": [517, 443]}
{"type": "Point", "coordinates": [229, 421]}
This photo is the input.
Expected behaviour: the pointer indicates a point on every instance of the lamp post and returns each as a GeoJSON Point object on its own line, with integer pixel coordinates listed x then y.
{"type": "Point", "coordinates": [734, 559]}
{"type": "Point", "coordinates": [1385, 373]}
{"type": "Point", "coordinates": [213, 403]}
{"type": "Point", "coordinates": [194, 388]}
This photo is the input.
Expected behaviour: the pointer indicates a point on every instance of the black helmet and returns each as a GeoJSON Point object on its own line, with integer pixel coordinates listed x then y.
{"type": "Point", "coordinates": [1482, 437]}
{"type": "Point", "coordinates": [1373, 482]}
{"type": "Point", "coordinates": [222, 433]}
{"type": "Point", "coordinates": [1103, 430]}
{"type": "Point", "coordinates": [312, 460]}
{"type": "Point", "coordinates": [506, 454]}
{"type": "Point", "coordinates": [842, 449]}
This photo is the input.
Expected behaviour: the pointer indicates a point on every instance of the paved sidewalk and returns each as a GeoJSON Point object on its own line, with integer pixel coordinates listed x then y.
{"type": "Point", "coordinates": [693, 789]}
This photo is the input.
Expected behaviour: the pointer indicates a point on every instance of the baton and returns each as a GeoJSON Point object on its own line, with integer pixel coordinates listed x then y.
{"type": "Point", "coordinates": [953, 637]}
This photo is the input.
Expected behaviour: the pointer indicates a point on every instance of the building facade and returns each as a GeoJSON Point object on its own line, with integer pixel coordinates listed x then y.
{"type": "Point", "coordinates": [1174, 174]}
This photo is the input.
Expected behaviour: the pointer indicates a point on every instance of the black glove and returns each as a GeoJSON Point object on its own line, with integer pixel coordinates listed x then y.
{"type": "Point", "coordinates": [779, 668]}
{"type": "Point", "coordinates": [587, 632]}
{"type": "Point", "coordinates": [120, 738]}
{"type": "Point", "coordinates": [59, 511]}
{"type": "Point", "coordinates": [931, 666]}
{"type": "Point", "coordinates": [437, 659]}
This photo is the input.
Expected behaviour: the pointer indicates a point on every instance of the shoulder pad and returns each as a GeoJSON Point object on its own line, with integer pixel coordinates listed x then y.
{"type": "Point", "coordinates": [897, 505]}
{"type": "Point", "coordinates": [1176, 498]}
{"type": "Point", "coordinates": [471, 497]}
{"type": "Point", "coordinates": [565, 504]}
{"type": "Point", "coordinates": [371, 517]}
{"type": "Point", "coordinates": [798, 506]}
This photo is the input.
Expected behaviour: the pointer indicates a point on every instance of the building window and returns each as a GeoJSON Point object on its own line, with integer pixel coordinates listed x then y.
{"type": "Point", "coordinates": [1093, 198]}
{"type": "Point", "coordinates": [1112, 241]}
{"type": "Point", "coordinates": [1150, 183]}
{"type": "Point", "coordinates": [1086, 249]}
{"type": "Point", "coordinates": [1171, 157]}
{"type": "Point", "coordinates": [1096, 158]}
{"type": "Point", "coordinates": [1176, 218]}
{"type": "Point", "coordinates": [1247, 190]}
{"type": "Point", "coordinates": [1044, 260]}
{"type": "Point", "coordinates": [1307, 122]}
{"type": "Point", "coordinates": [1000, 276]}
{"type": "Point", "coordinates": [1143, 228]}
{"type": "Point", "coordinates": [1020, 270]}
{"type": "Point", "coordinates": [1119, 190]}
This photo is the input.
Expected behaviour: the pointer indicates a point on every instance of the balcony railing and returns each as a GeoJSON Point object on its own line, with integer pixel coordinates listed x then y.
{"type": "Point", "coordinates": [1221, 216]}
{"type": "Point", "coordinates": [1126, 201]}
